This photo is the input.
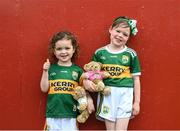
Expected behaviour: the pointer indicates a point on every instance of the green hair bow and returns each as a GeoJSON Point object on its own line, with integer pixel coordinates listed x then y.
{"type": "Point", "coordinates": [132, 24]}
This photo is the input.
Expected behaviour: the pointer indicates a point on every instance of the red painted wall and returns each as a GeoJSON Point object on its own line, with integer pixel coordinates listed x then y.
{"type": "Point", "coordinates": [25, 30]}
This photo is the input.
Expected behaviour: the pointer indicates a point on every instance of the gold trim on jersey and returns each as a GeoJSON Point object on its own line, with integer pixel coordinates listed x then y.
{"type": "Point", "coordinates": [62, 86]}
{"type": "Point", "coordinates": [117, 71]}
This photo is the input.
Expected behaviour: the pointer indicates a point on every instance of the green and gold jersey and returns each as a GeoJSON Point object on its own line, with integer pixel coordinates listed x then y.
{"type": "Point", "coordinates": [62, 80]}
{"type": "Point", "coordinates": [121, 65]}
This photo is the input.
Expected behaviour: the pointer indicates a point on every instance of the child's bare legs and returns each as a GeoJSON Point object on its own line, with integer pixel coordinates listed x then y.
{"type": "Point", "coordinates": [110, 125]}
{"type": "Point", "coordinates": [120, 124]}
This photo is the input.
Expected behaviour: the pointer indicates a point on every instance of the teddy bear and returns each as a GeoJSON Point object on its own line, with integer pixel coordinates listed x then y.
{"type": "Point", "coordinates": [80, 95]}
{"type": "Point", "coordinates": [94, 73]}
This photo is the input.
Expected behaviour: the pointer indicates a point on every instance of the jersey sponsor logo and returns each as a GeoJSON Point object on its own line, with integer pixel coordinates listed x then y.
{"type": "Point", "coordinates": [62, 86]}
{"type": "Point", "coordinates": [113, 56]}
{"type": "Point", "coordinates": [75, 75]}
{"type": "Point", "coordinates": [117, 71]}
{"type": "Point", "coordinates": [125, 59]}
{"type": "Point", "coordinates": [64, 71]}
{"type": "Point", "coordinates": [53, 74]}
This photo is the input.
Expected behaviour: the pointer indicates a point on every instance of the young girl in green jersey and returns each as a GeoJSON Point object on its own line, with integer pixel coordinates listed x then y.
{"type": "Point", "coordinates": [59, 79]}
{"type": "Point", "coordinates": [123, 65]}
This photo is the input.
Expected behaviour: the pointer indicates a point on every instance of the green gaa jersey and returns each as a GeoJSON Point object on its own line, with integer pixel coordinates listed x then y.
{"type": "Point", "coordinates": [121, 65]}
{"type": "Point", "coordinates": [62, 80]}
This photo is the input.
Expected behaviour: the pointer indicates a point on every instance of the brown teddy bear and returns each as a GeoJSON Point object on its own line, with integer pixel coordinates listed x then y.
{"type": "Point", "coordinates": [94, 73]}
{"type": "Point", "coordinates": [80, 95]}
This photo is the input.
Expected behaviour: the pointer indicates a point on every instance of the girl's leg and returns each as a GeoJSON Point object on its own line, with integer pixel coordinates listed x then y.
{"type": "Point", "coordinates": [110, 125]}
{"type": "Point", "coordinates": [122, 124]}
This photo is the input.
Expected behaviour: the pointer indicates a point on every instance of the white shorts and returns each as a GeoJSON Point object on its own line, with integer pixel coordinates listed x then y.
{"type": "Point", "coordinates": [116, 105]}
{"type": "Point", "coordinates": [61, 124]}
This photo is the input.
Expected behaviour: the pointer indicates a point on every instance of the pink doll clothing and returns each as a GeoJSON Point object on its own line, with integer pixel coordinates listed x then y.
{"type": "Point", "coordinates": [94, 75]}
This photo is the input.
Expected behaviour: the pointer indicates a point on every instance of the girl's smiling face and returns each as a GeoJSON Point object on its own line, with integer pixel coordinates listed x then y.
{"type": "Point", "coordinates": [64, 51]}
{"type": "Point", "coordinates": [119, 35]}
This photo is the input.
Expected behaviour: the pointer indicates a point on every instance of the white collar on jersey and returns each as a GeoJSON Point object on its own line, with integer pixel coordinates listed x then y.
{"type": "Point", "coordinates": [115, 52]}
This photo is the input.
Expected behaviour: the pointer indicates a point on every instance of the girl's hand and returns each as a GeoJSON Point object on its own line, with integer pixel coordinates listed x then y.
{"type": "Point", "coordinates": [136, 108]}
{"type": "Point", "coordinates": [46, 65]}
{"type": "Point", "coordinates": [89, 85]}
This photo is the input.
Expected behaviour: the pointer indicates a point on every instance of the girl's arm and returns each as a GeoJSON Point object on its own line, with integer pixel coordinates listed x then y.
{"type": "Point", "coordinates": [44, 84]}
{"type": "Point", "coordinates": [89, 85]}
{"type": "Point", "coordinates": [137, 92]}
